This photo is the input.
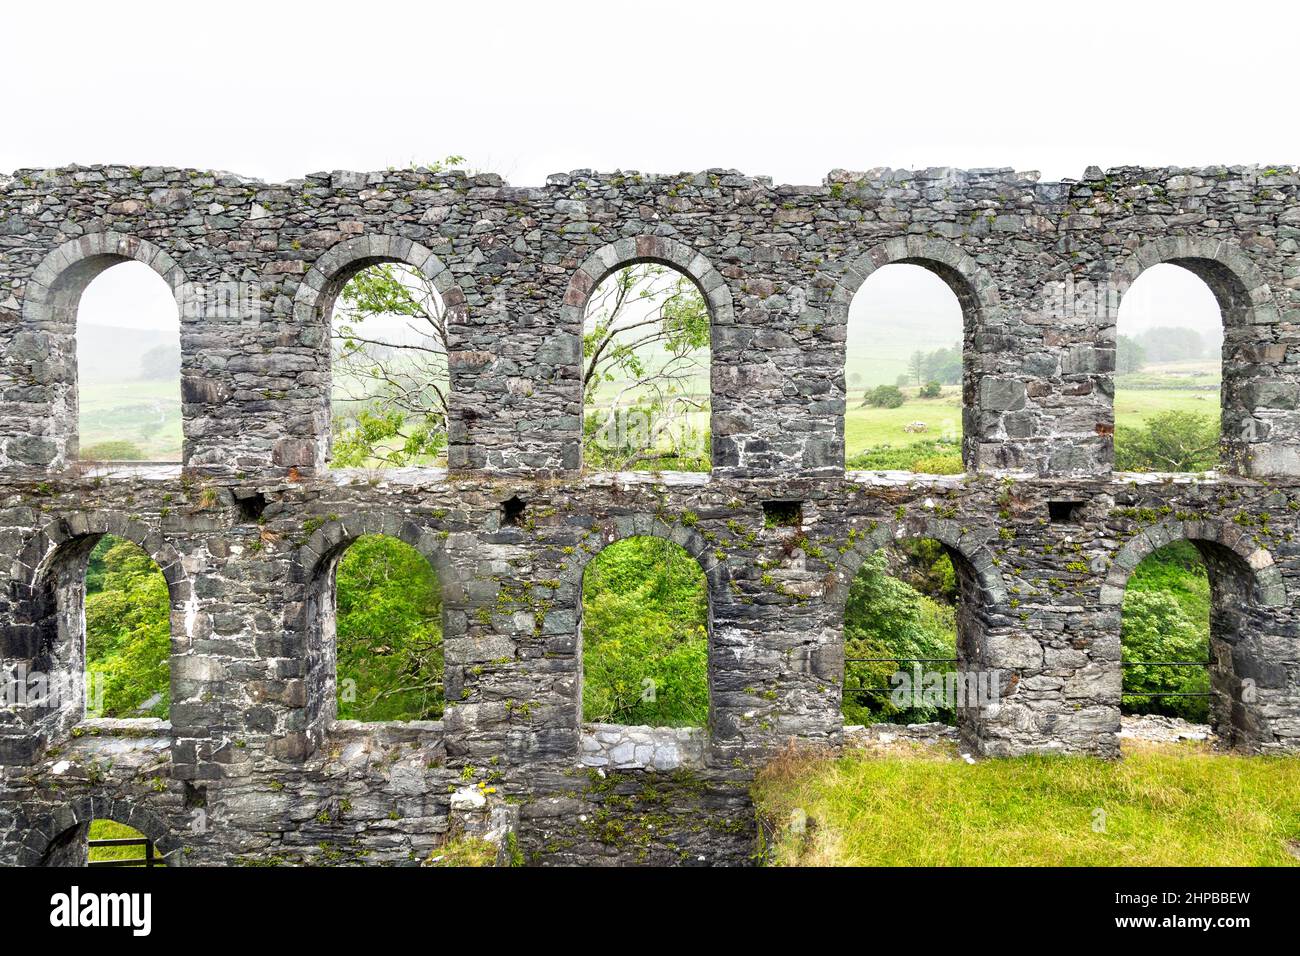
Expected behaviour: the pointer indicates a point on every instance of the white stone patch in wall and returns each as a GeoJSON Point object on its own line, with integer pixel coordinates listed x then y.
{"type": "Point", "coordinates": [642, 748]}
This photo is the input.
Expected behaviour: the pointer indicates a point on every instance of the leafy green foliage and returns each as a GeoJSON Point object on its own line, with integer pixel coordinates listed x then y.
{"type": "Point", "coordinates": [646, 336]}
{"type": "Point", "coordinates": [888, 618]}
{"type": "Point", "coordinates": [1130, 356]}
{"type": "Point", "coordinates": [884, 396]}
{"type": "Point", "coordinates": [1166, 617]}
{"type": "Point", "coordinates": [930, 457]}
{"type": "Point", "coordinates": [388, 632]}
{"type": "Point", "coordinates": [1168, 441]}
{"type": "Point", "coordinates": [931, 389]}
{"type": "Point", "coordinates": [128, 631]}
{"type": "Point", "coordinates": [645, 620]}
{"type": "Point", "coordinates": [390, 372]}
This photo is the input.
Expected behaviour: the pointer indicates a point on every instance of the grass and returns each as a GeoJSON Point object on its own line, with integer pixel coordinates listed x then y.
{"type": "Point", "coordinates": [1163, 805]}
{"type": "Point", "coordinates": [464, 851]}
{"type": "Point", "coordinates": [875, 438]}
{"type": "Point", "coordinates": [146, 413]}
{"type": "Point", "coordinates": [112, 830]}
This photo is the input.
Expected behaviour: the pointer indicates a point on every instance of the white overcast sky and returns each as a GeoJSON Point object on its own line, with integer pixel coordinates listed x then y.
{"type": "Point", "coordinates": [790, 90]}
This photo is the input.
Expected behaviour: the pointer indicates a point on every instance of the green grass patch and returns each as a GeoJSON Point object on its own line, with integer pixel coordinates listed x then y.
{"type": "Point", "coordinates": [1176, 805]}
{"type": "Point", "coordinates": [112, 830]}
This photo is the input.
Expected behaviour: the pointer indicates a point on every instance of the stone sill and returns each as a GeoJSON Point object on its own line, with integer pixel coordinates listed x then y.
{"type": "Point", "coordinates": [148, 470]}
{"type": "Point", "coordinates": [901, 479]}
{"type": "Point", "coordinates": [1169, 477]}
{"type": "Point", "coordinates": [675, 479]}
{"type": "Point", "coordinates": [376, 477]}
{"type": "Point", "coordinates": [619, 747]}
{"type": "Point", "coordinates": [125, 726]}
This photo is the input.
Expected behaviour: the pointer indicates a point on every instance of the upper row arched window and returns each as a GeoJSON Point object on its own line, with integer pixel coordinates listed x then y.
{"type": "Point", "coordinates": [646, 369]}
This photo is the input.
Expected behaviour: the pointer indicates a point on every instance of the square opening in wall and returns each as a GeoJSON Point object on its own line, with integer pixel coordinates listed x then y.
{"type": "Point", "coordinates": [782, 514]}
{"type": "Point", "coordinates": [251, 504]}
{"type": "Point", "coordinates": [512, 511]}
{"type": "Point", "coordinates": [1065, 512]}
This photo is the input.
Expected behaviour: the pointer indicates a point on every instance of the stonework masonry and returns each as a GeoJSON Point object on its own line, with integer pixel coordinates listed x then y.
{"type": "Point", "coordinates": [252, 767]}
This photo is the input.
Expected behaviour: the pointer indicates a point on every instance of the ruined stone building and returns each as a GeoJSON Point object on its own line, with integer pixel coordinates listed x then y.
{"type": "Point", "coordinates": [253, 767]}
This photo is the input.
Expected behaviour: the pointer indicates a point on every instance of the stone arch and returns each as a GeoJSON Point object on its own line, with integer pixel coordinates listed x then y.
{"type": "Point", "coordinates": [1242, 291]}
{"type": "Point", "coordinates": [49, 575]}
{"type": "Point", "coordinates": [319, 289]}
{"type": "Point", "coordinates": [1253, 562]}
{"type": "Point", "coordinates": [630, 251]}
{"type": "Point", "coordinates": [976, 292]}
{"type": "Point", "coordinates": [51, 297]}
{"type": "Point", "coordinates": [54, 832]}
{"type": "Point", "coordinates": [621, 528]}
{"type": "Point", "coordinates": [1253, 380]}
{"type": "Point", "coordinates": [973, 552]}
{"type": "Point", "coordinates": [982, 595]}
{"type": "Point", "coordinates": [315, 565]}
{"type": "Point", "coordinates": [52, 292]}
{"type": "Point", "coordinates": [331, 272]}
{"type": "Point", "coordinates": [1247, 678]}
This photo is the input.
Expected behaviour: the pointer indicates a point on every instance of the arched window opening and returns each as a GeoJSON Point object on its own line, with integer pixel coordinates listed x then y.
{"type": "Point", "coordinates": [127, 632]}
{"type": "Point", "coordinates": [390, 383]}
{"type": "Point", "coordinates": [645, 636]}
{"type": "Point", "coordinates": [128, 367]}
{"type": "Point", "coordinates": [912, 617]}
{"type": "Point", "coordinates": [903, 373]}
{"type": "Point", "coordinates": [1168, 373]}
{"type": "Point", "coordinates": [1165, 635]}
{"type": "Point", "coordinates": [103, 842]}
{"type": "Point", "coordinates": [645, 376]}
{"type": "Point", "coordinates": [385, 628]}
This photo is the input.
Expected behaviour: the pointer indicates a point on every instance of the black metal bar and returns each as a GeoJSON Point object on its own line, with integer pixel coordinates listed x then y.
{"type": "Point", "coordinates": [903, 660]}
{"type": "Point", "coordinates": [125, 841]}
{"type": "Point", "coordinates": [135, 861]}
{"type": "Point", "coordinates": [1165, 663]}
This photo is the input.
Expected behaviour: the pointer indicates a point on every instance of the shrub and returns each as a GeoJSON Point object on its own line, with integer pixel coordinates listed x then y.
{"type": "Point", "coordinates": [884, 396]}
{"type": "Point", "coordinates": [931, 390]}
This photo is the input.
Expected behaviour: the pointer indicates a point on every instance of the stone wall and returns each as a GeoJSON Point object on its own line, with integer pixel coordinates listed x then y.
{"type": "Point", "coordinates": [252, 766]}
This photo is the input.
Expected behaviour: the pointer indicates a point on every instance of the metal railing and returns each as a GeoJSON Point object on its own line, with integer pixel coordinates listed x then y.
{"type": "Point", "coordinates": [149, 859]}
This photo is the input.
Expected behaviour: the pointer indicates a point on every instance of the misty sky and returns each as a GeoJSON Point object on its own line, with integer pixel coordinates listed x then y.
{"type": "Point", "coordinates": [279, 90]}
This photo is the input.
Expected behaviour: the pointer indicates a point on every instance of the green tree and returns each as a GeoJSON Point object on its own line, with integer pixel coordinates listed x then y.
{"type": "Point", "coordinates": [645, 642]}
{"type": "Point", "coordinates": [390, 373]}
{"type": "Point", "coordinates": [1130, 356]}
{"type": "Point", "coordinates": [388, 632]}
{"type": "Point", "coordinates": [1166, 617]}
{"type": "Point", "coordinates": [889, 619]}
{"type": "Point", "coordinates": [916, 367]}
{"type": "Point", "coordinates": [128, 631]}
{"type": "Point", "coordinates": [884, 396]}
{"type": "Point", "coordinates": [645, 342]}
{"type": "Point", "coordinates": [931, 389]}
{"type": "Point", "coordinates": [1168, 441]}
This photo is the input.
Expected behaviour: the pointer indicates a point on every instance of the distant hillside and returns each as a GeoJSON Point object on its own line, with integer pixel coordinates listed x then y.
{"type": "Point", "coordinates": [107, 353]}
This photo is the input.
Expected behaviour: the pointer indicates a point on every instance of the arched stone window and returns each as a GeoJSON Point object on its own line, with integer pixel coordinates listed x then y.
{"type": "Point", "coordinates": [919, 608]}
{"type": "Point", "coordinates": [1159, 587]}
{"type": "Point", "coordinates": [384, 309]}
{"type": "Point", "coordinates": [903, 372]}
{"type": "Point", "coordinates": [644, 633]}
{"type": "Point", "coordinates": [1159, 295]}
{"type": "Point", "coordinates": [644, 311]}
{"type": "Point", "coordinates": [102, 313]}
{"type": "Point", "coordinates": [374, 619]}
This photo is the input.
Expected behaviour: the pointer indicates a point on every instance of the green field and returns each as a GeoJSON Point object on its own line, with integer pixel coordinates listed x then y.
{"type": "Point", "coordinates": [867, 428]}
{"type": "Point", "coordinates": [1163, 805]}
{"type": "Point", "coordinates": [144, 412]}
{"type": "Point", "coordinates": [1172, 386]}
